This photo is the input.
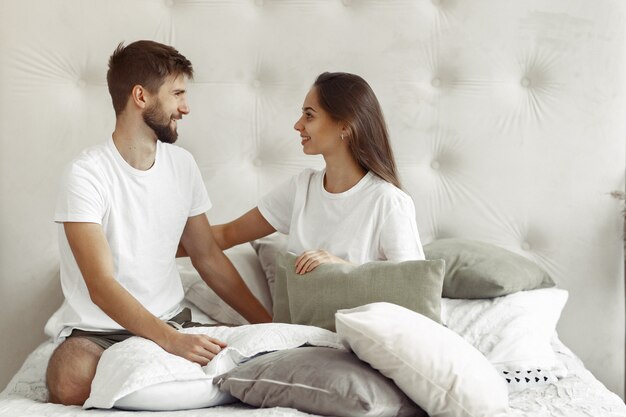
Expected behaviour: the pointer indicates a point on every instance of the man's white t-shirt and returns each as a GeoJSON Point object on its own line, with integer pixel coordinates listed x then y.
{"type": "Point", "coordinates": [372, 221]}
{"type": "Point", "coordinates": [142, 213]}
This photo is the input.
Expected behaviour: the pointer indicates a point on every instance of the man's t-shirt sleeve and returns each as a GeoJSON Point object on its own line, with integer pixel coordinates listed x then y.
{"type": "Point", "coordinates": [200, 202]}
{"type": "Point", "coordinates": [80, 198]}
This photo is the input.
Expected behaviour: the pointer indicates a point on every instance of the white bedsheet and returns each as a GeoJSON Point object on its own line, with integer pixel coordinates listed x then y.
{"type": "Point", "coordinates": [578, 394]}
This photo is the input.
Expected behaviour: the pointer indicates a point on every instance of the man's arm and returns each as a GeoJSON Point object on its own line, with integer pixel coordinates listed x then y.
{"type": "Point", "coordinates": [218, 272]}
{"type": "Point", "coordinates": [93, 256]}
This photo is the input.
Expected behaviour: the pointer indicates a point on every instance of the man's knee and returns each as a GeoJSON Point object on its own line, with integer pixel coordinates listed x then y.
{"type": "Point", "coordinates": [71, 369]}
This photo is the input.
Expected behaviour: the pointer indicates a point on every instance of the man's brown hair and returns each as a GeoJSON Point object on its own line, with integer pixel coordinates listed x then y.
{"type": "Point", "coordinates": [145, 63]}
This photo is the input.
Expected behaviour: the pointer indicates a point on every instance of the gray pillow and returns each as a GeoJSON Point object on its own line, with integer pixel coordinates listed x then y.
{"type": "Point", "coordinates": [317, 380]}
{"type": "Point", "coordinates": [481, 270]}
{"type": "Point", "coordinates": [315, 297]}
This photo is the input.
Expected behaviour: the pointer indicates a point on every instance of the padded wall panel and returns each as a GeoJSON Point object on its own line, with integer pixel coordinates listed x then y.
{"type": "Point", "coordinates": [508, 120]}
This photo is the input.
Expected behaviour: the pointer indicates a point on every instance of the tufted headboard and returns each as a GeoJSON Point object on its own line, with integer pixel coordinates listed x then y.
{"type": "Point", "coordinates": [508, 120]}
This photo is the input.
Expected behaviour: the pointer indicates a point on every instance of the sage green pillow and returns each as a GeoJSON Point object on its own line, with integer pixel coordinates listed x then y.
{"type": "Point", "coordinates": [481, 270]}
{"type": "Point", "coordinates": [281, 312]}
{"type": "Point", "coordinates": [314, 298]}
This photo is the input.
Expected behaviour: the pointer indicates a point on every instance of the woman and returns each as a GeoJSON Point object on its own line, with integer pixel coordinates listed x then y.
{"type": "Point", "coordinates": [353, 210]}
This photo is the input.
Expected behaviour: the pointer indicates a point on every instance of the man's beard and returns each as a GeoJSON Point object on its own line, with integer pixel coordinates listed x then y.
{"type": "Point", "coordinates": [153, 117]}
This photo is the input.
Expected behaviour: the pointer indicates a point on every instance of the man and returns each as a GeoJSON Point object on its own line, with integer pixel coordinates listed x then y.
{"type": "Point", "coordinates": [123, 208]}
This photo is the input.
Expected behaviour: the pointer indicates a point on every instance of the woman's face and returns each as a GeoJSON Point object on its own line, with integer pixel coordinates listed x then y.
{"type": "Point", "coordinates": [319, 133]}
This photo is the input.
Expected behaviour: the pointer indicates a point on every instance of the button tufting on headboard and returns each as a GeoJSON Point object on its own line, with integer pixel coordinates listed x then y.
{"type": "Point", "coordinates": [506, 119]}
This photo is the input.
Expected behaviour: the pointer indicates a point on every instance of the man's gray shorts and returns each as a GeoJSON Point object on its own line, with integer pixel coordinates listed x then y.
{"type": "Point", "coordinates": [107, 339]}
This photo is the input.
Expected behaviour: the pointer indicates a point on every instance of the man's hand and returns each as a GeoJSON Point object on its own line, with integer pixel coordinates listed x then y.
{"type": "Point", "coordinates": [311, 259]}
{"type": "Point", "coordinates": [197, 348]}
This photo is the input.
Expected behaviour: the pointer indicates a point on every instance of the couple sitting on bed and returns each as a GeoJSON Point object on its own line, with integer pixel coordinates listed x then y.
{"type": "Point", "coordinates": [128, 206]}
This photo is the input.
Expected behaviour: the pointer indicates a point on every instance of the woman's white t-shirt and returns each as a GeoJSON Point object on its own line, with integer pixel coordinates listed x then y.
{"type": "Point", "coordinates": [372, 221]}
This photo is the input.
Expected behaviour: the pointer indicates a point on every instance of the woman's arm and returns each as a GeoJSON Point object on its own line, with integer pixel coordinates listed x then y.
{"type": "Point", "coordinates": [250, 226]}
{"type": "Point", "coordinates": [246, 228]}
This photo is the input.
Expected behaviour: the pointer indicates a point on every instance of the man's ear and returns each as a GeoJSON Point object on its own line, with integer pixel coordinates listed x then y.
{"type": "Point", "coordinates": [138, 96]}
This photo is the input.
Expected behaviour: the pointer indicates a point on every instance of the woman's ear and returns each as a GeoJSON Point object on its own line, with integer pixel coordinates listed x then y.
{"type": "Point", "coordinates": [345, 131]}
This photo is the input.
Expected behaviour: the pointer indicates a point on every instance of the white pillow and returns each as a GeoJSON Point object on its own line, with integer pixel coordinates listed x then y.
{"type": "Point", "coordinates": [245, 260]}
{"type": "Point", "coordinates": [138, 374]}
{"type": "Point", "coordinates": [434, 366]}
{"type": "Point", "coordinates": [514, 332]}
{"type": "Point", "coordinates": [176, 395]}
{"type": "Point", "coordinates": [266, 249]}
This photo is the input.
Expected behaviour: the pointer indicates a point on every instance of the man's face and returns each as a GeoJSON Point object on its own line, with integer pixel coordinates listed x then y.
{"type": "Point", "coordinates": [168, 106]}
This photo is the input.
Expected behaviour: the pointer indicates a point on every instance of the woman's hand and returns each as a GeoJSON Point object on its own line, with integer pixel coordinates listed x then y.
{"type": "Point", "coordinates": [311, 259]}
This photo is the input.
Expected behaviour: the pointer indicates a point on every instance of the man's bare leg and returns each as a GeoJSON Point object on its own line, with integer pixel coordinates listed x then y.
{"type": "Point", "coordinates": [71, 369]}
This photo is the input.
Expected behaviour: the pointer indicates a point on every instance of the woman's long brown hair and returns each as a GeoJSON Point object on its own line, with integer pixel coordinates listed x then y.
{"type": "Point", "coordinates": [348, 98]}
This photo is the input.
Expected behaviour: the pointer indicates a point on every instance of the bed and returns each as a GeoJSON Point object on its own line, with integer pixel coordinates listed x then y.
{"type": "Point", "coordinates": [507, 121]}
{"type": "Point", "coordinates": [515, 332]}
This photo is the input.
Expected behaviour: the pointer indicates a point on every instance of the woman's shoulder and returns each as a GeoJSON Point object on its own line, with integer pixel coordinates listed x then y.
{"type": "Point", "coordinates": [300, 181]}
{"type": "Point", "coordinates": [386, 188]}
{"type": "Point", "coordinates": [389, 192]}
{"type": "Point", "coordinates": [308, 174]}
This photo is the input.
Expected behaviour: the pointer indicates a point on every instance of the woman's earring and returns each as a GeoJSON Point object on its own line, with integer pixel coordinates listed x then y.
{"type": "Point", "coordinates": [342, 136]}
